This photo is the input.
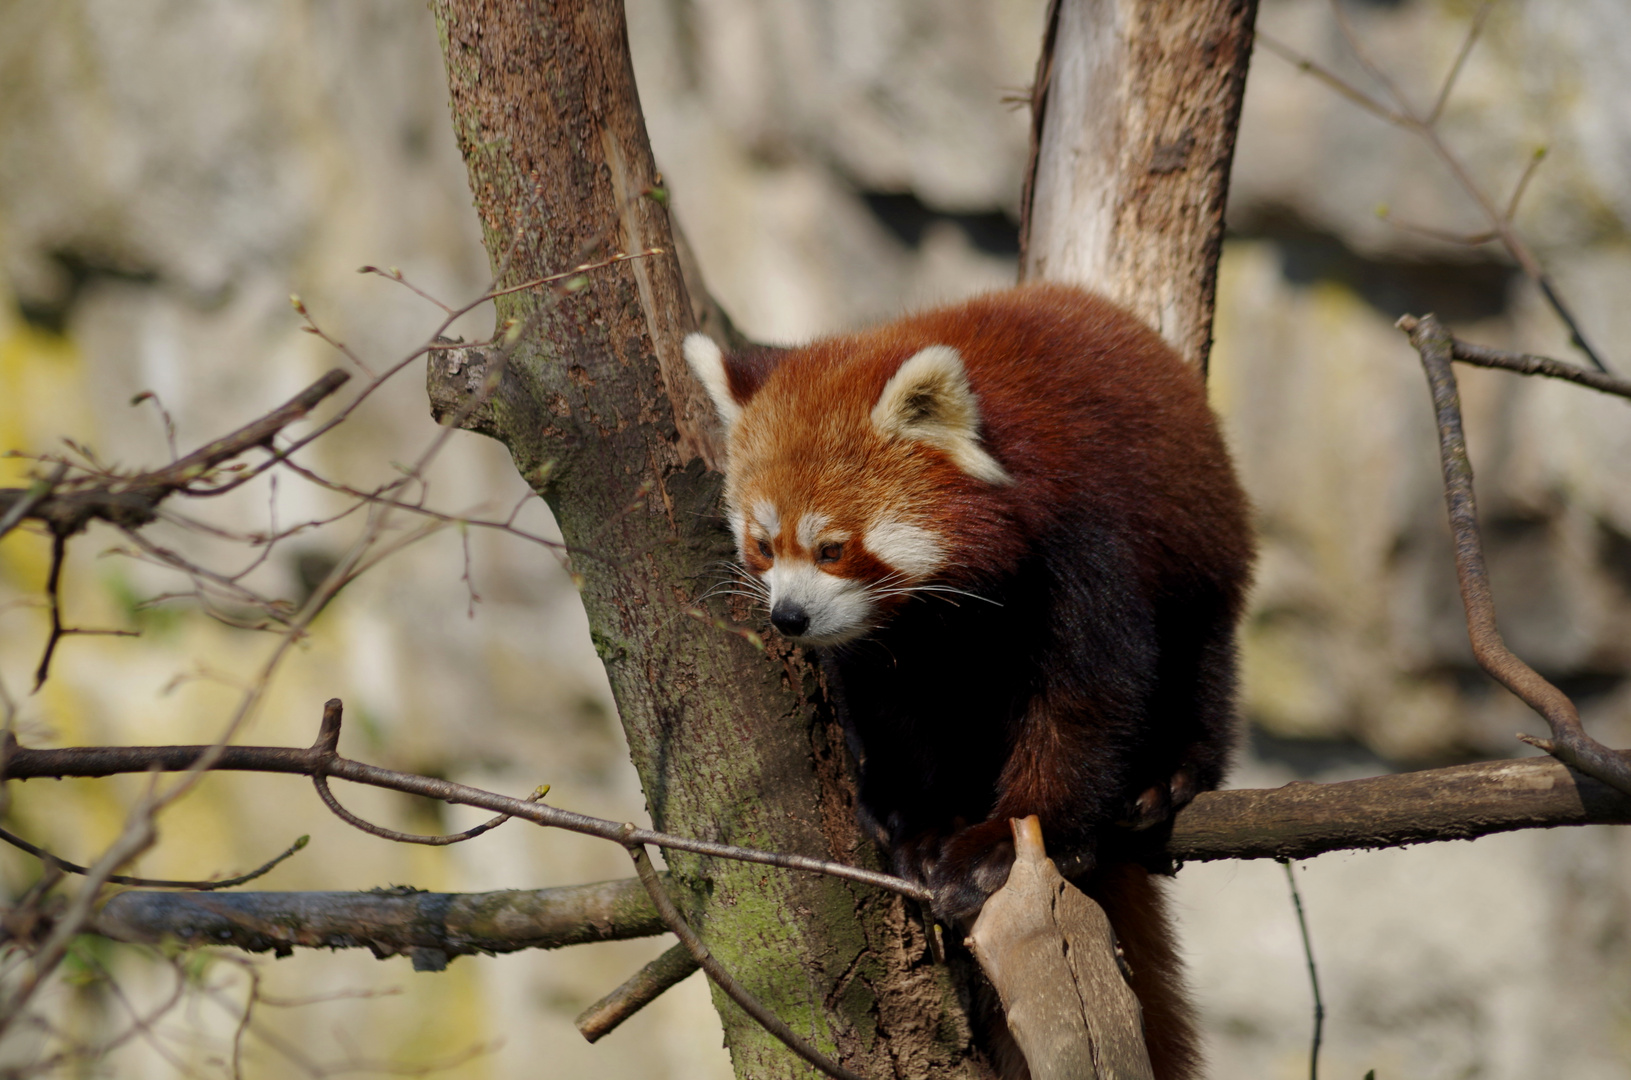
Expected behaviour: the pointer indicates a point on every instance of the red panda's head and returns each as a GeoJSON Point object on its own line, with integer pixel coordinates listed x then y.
{"type": "Point", "coordinates": [844, 459]}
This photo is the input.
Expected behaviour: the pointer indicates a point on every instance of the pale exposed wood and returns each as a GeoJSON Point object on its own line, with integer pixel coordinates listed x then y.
{"type": "Point", "coordinates": [1050, 953]}
{"type": "Point", "coordinates": [1136, 106]}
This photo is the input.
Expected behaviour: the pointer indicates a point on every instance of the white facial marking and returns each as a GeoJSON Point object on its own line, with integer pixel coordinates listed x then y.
{"type": "Point", "coordinates": [810, 527]}
{"type": "Point", "coordinates": [910, 549]}
{"type": "Point", "coordinates": [708, 365]}
{"type": "Point", "coordinates": [838, 608]}
{"type": "Point", "coordinates": [764, 515]}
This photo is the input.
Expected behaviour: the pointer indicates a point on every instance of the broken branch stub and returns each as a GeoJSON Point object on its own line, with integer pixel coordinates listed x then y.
{"type": "Point", "coordinates": [1049, 951]}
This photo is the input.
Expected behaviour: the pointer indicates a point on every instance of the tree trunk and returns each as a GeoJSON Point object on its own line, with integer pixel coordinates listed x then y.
{"type": "Point", "coordinates": [601, 416]}
{"type": "Point", "coordinates": [1134, 115]}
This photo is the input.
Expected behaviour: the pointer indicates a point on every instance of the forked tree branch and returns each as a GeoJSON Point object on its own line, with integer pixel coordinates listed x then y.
{"type": "Point", "coordinates": [1525, 363]}
{"type": "Point", "coordinates": [1569, 742]}
{"type": "Point", "coordinates": [68, 504]}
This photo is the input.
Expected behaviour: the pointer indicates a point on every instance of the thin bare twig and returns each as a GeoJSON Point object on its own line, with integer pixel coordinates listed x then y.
{"type": "Point", "coordinates": [1473, 31]}
{"type": "Point", "coordinates": [321, 784]}
{"type": "Point", "coordinates": [1425, 127]}
{"type": "Point", "coordinates": [722, 978]}
{"type": "Point", "coordinates": [1307, 66]}
{"type": "Point", "coordinates": [23, 763]}
{"type": "Point", "coordinates": [1374, 70]}
{"type": "Point", "coordinates": [164, 417]}
{"type": "Point", "coordinates": [53, 598]}
{"type": "Point", "coordinates": [1522, 185]}
{"type": "Point", "coordinates": [1313, 973]}
{"type": "Point", "coordinates": [1569, 743]}
{"type": "Point", "coordinates": [153, 883]}
{"type": "Point", "coordinates": [1526, 363]}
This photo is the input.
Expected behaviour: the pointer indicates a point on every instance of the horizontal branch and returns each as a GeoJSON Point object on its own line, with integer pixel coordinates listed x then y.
{"type": "Point", "coordinates": [1296, 821]}
{"type": "Point", "coordinates": [430, 927]}
{"type": "Point", "coordinates": [1462, 802]}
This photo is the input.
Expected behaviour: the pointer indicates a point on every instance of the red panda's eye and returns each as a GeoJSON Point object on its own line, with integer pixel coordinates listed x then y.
{"type": "Point", "coordinates": [764, 549]}
{"type": "Point", "coordinates": [831, 553]}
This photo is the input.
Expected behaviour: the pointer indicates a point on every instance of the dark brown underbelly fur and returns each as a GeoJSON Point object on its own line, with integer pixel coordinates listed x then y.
{"type": "Point", "coordinates": [1107, 691]}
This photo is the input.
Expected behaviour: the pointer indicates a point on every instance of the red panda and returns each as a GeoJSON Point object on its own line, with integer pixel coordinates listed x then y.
{"type": "Point", "coordinates": [1011, 534]}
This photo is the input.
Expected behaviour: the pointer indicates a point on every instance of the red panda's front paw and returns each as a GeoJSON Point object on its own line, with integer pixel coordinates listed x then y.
{"type": "Point", "coordinates": [1156, 804]}
{"type": "Point", "coordinates": [972, 864]}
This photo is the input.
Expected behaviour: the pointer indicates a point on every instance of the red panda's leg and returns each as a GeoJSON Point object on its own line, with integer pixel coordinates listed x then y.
{"type": "Point", "coordinates": [1062, 770]}
{"type": "Point", "coordinates": [1193, 709]}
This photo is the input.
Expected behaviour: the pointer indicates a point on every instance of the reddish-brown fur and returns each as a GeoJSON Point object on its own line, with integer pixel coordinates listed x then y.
{"type": "Point", "coordinates": [1098, 695]}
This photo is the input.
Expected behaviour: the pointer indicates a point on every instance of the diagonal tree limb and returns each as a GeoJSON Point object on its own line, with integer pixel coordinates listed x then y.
{"type": "Point", "coordinates": [1569, 742]}
{"type": "Point", "coordinates": [133, 501]}
{"type": "Point", "coordinates": [722, 978]}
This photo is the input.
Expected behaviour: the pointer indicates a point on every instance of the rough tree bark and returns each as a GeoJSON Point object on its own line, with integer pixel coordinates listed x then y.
{"type": "Point", "coordinates": [600, 414]}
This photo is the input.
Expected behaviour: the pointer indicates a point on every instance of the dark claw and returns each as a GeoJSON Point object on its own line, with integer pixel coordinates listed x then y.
{"type": "Point", "coordinates": [1158, 802]}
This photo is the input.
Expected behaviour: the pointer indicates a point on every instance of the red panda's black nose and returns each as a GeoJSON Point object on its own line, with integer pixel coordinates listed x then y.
{"type": "Point", "coordinates": [789, 618]}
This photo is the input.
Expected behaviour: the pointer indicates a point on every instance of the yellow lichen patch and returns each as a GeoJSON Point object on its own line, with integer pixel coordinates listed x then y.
{"type": "Point", "coordinates": [40, 399]}
{"type": "Point", "coordinates": [40, 391]}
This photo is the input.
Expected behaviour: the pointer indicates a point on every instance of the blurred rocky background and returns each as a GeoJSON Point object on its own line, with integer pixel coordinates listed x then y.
{"type": "Point", "coordinates": [170, 172]}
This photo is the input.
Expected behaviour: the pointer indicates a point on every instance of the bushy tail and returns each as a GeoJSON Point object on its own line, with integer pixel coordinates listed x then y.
{"type": "Point", "coordinates": [1136, 904]}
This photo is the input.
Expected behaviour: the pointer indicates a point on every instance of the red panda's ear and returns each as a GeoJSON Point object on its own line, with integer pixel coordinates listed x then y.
{"type": "Point", "coordinates": [707, 362]}
{"type": "Point", "coordinates": [729, 380]}
{"type": "Point", "coordinates": [928, 400]}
